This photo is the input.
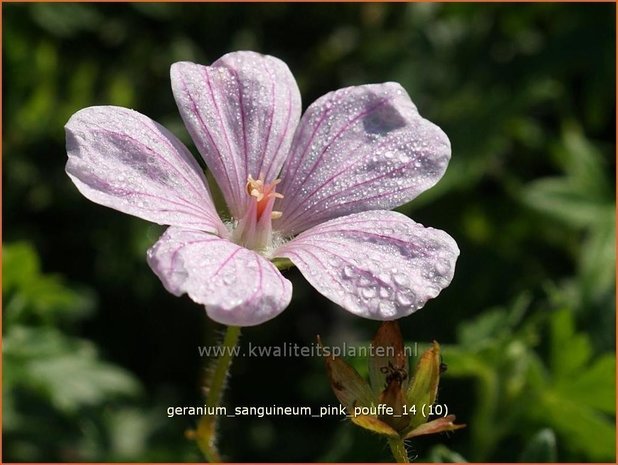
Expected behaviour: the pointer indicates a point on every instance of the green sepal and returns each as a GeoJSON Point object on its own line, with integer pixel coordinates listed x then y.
{"type": "Point", "coordinates": [375, 425]}
{"type": "Point", "coordinates": [436, 426]}
{"type": "Point", "coordinates": [349, 387]}
{"type": "Point", "coordinates": [282, 263]}
{"type": "Point", "coordinates": [424, 387]}
{"type": "Point", "coordinates": [388, 358]}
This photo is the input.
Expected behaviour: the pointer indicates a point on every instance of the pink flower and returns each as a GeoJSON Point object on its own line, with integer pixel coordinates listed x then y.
{"type": "Point", "coordinates": [315, 190]}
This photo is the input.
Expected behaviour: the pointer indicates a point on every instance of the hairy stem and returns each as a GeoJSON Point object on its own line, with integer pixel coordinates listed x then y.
{"type": "Point", "coordinates": [206, 434]}
{"type": "Point", "coordinates": [398, 449]}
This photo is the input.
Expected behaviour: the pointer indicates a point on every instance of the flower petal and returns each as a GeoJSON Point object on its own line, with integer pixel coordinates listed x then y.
{"type": "Point", "coordinates": [241, 113]}
{"type": "Point", "coordinates": [378, 264]}
{"type": "Point", "coordinates": [124, 160]}
{"type": "Point", "coordinates": [357, 149]}
{"type": "Point", "coordinates": [236, 285]}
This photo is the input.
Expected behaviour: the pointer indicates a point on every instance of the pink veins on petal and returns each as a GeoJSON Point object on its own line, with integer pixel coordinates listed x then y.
{"type": "Point", "coordinates": [316, 190]}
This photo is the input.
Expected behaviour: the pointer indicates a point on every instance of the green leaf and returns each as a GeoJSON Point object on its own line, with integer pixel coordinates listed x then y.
{"type": "Point", "coordinates": [442, 454]}
{"type": "Point", "coordinates": [580, 394]}
{"type": "Point", "coordinates": [561, 199]}
{"type": "Point", "coordinates": [583, 163]}
{"type": "Point", "coordinates": [483, 329]}
{"type": "Point", "coordinates": [493, 325]}
{"type": "Point", "coordinates": [598, 258]}
{"type": "Point", "coordinates": [66, 20]}
{"type": "Point", "coordinates": [20, 265]}
{"type": "Point", "coordinates": [583, 429]}
{"type": "Point", "coordinates": [76, 380]}
{"type": "Point", "coordinates": [129, 430]}
{"type": "Point", "coordinates": [540, 448]}
{"type": "Point", "coordinates": [66, 371]}
{"type": "Point", "coordinates": [569, 351]}
{"type": "Point", "coordinates": [32, 297]}
{"type": "Point", "coordinates": [594, 386]}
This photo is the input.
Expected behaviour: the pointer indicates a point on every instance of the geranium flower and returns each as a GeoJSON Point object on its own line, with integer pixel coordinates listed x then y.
{"type": "Point", "coordinates": [314, 190]}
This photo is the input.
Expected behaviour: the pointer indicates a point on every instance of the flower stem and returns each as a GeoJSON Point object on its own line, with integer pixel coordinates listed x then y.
{"type": "Point", "coordinates": [398, 449]}
{"type": "Point", "coordinates": [205, 434]}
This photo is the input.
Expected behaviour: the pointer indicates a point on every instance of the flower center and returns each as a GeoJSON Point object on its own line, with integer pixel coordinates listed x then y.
{"type": "Point", "coordinates": [254, 229]}
{"type": "Point", "coordinates": [264, 195]}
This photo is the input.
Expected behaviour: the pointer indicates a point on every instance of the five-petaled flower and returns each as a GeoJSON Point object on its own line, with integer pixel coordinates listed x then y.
{"type": "Point", "coordinates": [314, 190]}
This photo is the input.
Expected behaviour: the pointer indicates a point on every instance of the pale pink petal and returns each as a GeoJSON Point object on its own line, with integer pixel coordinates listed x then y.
{"type": "Point", "coordinates": [376, 264]}
{"type": "Point", "coordinates": [241, 113]}
{"type": "Point", "coordinates": [357, 149]}
{"type": "Point", "coordinates": [124, 160]}
{"type": "Point", "coordinates": [236, 285]}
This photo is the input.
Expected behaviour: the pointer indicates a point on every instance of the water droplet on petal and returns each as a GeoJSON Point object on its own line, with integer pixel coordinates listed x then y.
{"type": "Point", "coordinates": [368, 292]}
{"type": "Point", "coordinates": [442, 267]}
{"type": "Point", "coordinates": [387, 308]}
{"type": "Point", "coordinates": [385, 292]}
{"type": "Point", "coordinates": [405, 298]}
{"type": "Point", "coordinates": [348, 271]}
{"type": "Point", "coordinates": [401, 279]}
{"type": "Point", "coordinates": [229, 279]}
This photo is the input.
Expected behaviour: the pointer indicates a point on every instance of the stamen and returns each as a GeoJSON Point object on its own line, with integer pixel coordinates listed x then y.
{"type": "Point", "coordinates": [257, 194]}
{"type": "Point", "coordinates": [254, 230]}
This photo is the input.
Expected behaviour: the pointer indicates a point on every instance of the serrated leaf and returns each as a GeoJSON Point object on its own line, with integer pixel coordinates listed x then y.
{"type": "Point", "coordinates": [73, 381]}
{"type": "Point", "coordinates": [583, 429]}
{"type": "Point", "coordinates": [569, 351]}
{"type": "Point", "coordinates": [594, 386]}
{"type": "Point", "coordinates": [30, 296]}
{"type": "Point", "coordinates": [66, 371]}
{"type": "Point", "coordinates": [583, 163]}
{"type": "Point", "coordinates": [483, 329]}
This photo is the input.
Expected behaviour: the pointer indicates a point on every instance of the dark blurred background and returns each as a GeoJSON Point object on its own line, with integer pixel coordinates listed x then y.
{"type": "Point", "coordinates": [94, 349]}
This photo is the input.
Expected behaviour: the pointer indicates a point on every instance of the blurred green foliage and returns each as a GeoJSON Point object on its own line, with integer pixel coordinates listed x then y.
{"type": "Point", "coordinates": [93, 356]}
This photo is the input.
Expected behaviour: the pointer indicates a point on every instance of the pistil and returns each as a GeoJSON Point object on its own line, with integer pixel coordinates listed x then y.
{"type": "Point", "coordinates": [254, 229]}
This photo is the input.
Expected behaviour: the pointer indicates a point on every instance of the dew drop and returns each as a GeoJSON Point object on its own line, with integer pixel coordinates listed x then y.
{"type": "Point", "coordinates": [387, 308]}
{"type": "Point", "coordinates": [401, 279]}
{"type": "Point", "coordinates": [442, 267]}
{"type": "Point", "coordinates": [348, 271]}
{"type": "Point", "coordinates": [385, 292]}
{"type": "Point", "coordinates": [368, 292]}
{"type": "Point", "coordinates": [405, 299]}
{"type": "Point", "coordinates": [229, 279]}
